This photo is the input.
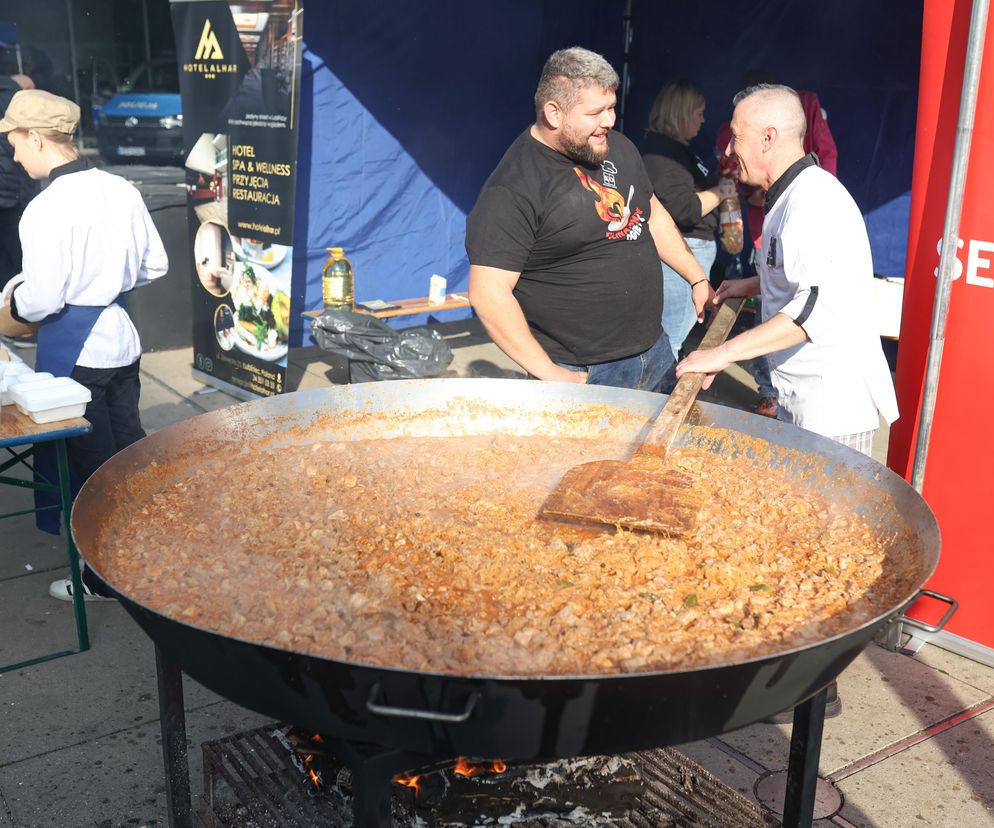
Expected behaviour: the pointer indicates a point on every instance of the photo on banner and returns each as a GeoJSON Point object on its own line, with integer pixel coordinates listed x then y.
{"type": "Point", "coordinates": [240, 86]}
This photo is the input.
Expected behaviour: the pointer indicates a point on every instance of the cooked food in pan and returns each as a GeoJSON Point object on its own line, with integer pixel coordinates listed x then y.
{"type": "Point", "coordinates": [426, 554]}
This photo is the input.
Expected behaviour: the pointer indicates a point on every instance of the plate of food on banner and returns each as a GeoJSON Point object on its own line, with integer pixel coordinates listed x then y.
{"type": "Point", "coordinates": [262, 313]}
{"type": "Point", "coordinates": [259, 252]}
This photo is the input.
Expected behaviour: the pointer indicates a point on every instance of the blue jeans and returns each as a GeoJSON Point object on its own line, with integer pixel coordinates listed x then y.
{"type": "Point", "coordinates": [679, 314]}
{"type": "Point", "coordinates": [652, 370]}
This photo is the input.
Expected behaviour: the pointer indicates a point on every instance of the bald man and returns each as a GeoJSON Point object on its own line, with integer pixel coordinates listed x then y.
{"type": "Point", "coordinates": [815, 279]}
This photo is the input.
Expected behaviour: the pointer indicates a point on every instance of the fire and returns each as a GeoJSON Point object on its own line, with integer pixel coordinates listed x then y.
{"type": "Point", "coordinates": [409, 780]}
{"type": "Point", "coordinates": [464, 767]}
{"type": "Point", "coordinates": [314, 775]}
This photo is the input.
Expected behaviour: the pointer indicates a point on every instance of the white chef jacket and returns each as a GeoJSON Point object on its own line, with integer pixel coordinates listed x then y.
{"type": "Point", "coordinates": [86, 238]}
{"type": "Point", "coordinates": [815, 267]}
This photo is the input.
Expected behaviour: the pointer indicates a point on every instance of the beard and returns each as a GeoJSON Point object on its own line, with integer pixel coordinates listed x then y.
{"type": "Point", "coordinates": [579, 149]}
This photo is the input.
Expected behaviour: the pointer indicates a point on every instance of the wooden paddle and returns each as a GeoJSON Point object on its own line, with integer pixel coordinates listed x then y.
{"type": "Point", "coordinates": [642, 493]}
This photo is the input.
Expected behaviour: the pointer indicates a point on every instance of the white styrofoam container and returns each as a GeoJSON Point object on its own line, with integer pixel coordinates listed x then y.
{"type": "Point", "coordinates": [51, 399]}
{"type": "Point", "coordinates": [10, 369]}
{"type": "Point", "coordinates": [13, 375]}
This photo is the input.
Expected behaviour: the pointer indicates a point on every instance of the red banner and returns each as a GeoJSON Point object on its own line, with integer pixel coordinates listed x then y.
{"type": "Point", "coordinates": [959, 478]}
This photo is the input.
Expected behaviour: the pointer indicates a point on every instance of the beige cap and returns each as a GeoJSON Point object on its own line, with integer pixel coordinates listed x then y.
{"type": "Point", "coordinates": [36, 109]}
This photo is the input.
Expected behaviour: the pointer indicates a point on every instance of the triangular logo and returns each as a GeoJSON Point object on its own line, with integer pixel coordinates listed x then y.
{"type": "Point", "coordinates": [208, 48]}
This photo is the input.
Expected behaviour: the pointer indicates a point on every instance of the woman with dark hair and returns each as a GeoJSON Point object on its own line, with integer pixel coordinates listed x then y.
{"type": "Point", "coordinates": [688, 191]}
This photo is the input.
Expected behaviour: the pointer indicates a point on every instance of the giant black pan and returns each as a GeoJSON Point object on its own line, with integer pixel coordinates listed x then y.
{"type": "Point", "coordinates": [515, 717]}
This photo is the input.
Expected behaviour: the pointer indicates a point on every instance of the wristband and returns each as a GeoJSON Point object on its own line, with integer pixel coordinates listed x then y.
{"type": "Point", "coordinates": [695, 284]}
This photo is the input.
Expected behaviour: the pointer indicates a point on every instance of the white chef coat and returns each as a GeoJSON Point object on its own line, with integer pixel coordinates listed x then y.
{"type": "Point", "coordinates": [87, 237]}
{"type": "Point", "coordinates": [815, 267]}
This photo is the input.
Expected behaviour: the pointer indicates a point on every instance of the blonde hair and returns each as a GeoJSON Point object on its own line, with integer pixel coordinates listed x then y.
{"type": "Point", "coordinates": [63, 141]}
{"type": "Point", "coordinates": [674, 107]}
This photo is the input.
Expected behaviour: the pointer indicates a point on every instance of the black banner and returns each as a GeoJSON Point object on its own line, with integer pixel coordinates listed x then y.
{"type": "Point", "coordinates": [240, 81]}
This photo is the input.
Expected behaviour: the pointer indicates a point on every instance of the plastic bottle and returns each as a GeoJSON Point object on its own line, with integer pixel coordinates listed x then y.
{"type": "Point", "coordinates": [730, 217]}
{"type": "Point", "coordinates": [337, 281]}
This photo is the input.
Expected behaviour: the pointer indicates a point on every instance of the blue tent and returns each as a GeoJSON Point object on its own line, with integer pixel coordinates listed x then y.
{"type": "Point", "coordinates": [406, 109]}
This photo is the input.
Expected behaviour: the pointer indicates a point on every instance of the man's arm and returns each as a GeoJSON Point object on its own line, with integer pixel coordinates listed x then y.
{"type": "Point", "coordinates": [673, 250]}
{"type": "Point", "coordinates": [491, 295]}
{"type": "Point", "coordinates": [774, 334]}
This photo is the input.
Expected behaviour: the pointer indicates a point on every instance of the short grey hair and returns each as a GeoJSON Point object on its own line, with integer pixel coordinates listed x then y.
{"type": "Point", "coordinates": [569, 71]}
{"type": "Point", "coordinates": [784, 103]}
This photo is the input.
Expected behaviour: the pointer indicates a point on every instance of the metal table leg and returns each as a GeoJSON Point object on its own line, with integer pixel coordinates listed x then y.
{"type": "Point", "coordinates": [61, 489]}
{"type": "Point", "coordinates": [65, 495]}
{"type": "Point", "coordinates": [172, 720]}
{"type": "Point", "coordinates": [802, 770]}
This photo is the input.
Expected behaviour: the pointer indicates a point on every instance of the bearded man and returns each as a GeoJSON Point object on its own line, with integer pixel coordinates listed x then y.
{"type": "Point", "coordinates": [565, 240]}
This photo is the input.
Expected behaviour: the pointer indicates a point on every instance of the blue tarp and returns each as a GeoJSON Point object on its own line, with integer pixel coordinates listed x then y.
{"type": "Point", "coordinates": [8, 33]}
{"type": "Point", "coordinates": [406, 109]}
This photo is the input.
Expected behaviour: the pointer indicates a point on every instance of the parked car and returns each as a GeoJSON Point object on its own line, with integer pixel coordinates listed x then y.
{"type": "Point", "coordinates": [143, 121]}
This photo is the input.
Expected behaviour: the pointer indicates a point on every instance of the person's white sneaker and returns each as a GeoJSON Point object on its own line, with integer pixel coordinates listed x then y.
{"type": "Point", "coordinates": [62, 589]}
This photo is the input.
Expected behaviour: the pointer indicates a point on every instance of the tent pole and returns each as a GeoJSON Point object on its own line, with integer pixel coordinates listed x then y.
{"type": "Point", "coordinates": [950, 234]}
{"type": "Point", "coordinates": [625, 78]}
{"type": "Point", "coordinates": [148, 39]}
{"type": "Point", "coordinates": [72, 52]}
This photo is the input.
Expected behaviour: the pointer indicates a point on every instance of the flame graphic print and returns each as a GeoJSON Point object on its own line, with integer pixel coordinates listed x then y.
{"type": "Point", "coordinates": [612, 208]}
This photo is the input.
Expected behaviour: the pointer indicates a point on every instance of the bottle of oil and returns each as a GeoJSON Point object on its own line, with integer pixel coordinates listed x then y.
{"type": "Point", "coordinates": [337, 281]}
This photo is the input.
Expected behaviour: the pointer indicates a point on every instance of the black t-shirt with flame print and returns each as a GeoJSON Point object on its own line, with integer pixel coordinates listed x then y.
{"type": "Point", "coordinates": [591, 285]}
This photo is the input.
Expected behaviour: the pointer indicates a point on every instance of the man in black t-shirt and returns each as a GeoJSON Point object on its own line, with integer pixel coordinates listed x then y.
{"type": "Point", "coordinates": [566, 237]}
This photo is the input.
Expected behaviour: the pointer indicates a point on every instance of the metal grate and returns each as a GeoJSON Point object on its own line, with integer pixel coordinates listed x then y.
{"type": "Point", "coordinates": [250, 781]}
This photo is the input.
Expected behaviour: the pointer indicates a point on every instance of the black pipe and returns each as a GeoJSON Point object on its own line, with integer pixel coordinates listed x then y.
{"type": "Point", "coordinates": [802, 770]}
{"type": "Point", "coordinates": [172, 720]}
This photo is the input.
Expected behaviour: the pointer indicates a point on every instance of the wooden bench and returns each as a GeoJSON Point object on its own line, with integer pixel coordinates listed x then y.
{"type": "Point", "coordinates": [409, 307]}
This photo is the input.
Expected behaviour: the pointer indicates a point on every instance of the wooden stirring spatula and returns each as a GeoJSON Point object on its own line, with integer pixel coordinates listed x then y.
{"type": "Point", "coordinates": [642, 493]}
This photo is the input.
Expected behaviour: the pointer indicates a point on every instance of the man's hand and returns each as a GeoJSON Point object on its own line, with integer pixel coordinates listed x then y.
{"type": "Point", "coordinates": [731, 288]}
{"type": "Point", "coordinates": [703, 297]}
{"type": "Point", "coordinates": [565, 375]}
{"type": "Point", "coordinates": [711, 362]}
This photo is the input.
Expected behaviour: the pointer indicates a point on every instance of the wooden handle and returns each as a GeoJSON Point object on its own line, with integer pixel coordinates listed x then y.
{"type": "Point", "coordinates": [669, 420]}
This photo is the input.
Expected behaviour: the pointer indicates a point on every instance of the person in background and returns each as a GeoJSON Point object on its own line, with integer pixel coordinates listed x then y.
{"type": "Point", "coordinates": [566, 237]}
{"type": "Point", "coordinates": [87, 239]}
{"type": "Point", "coordinates": [816, 279]}
{"type": "Point", "coordinates": [16, 187]}
{"type": "Point", "coordinates": [818, 140]}
{"type": "Point", "coordinates": [687, 189]}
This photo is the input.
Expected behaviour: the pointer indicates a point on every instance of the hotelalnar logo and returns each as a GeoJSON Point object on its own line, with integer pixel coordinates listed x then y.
{"type": "Point", "coordinates": [209, 59]}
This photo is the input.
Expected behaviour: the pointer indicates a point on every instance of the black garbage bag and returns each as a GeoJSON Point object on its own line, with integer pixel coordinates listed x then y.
{"type": "Point", "coordinates": [376, 351]}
